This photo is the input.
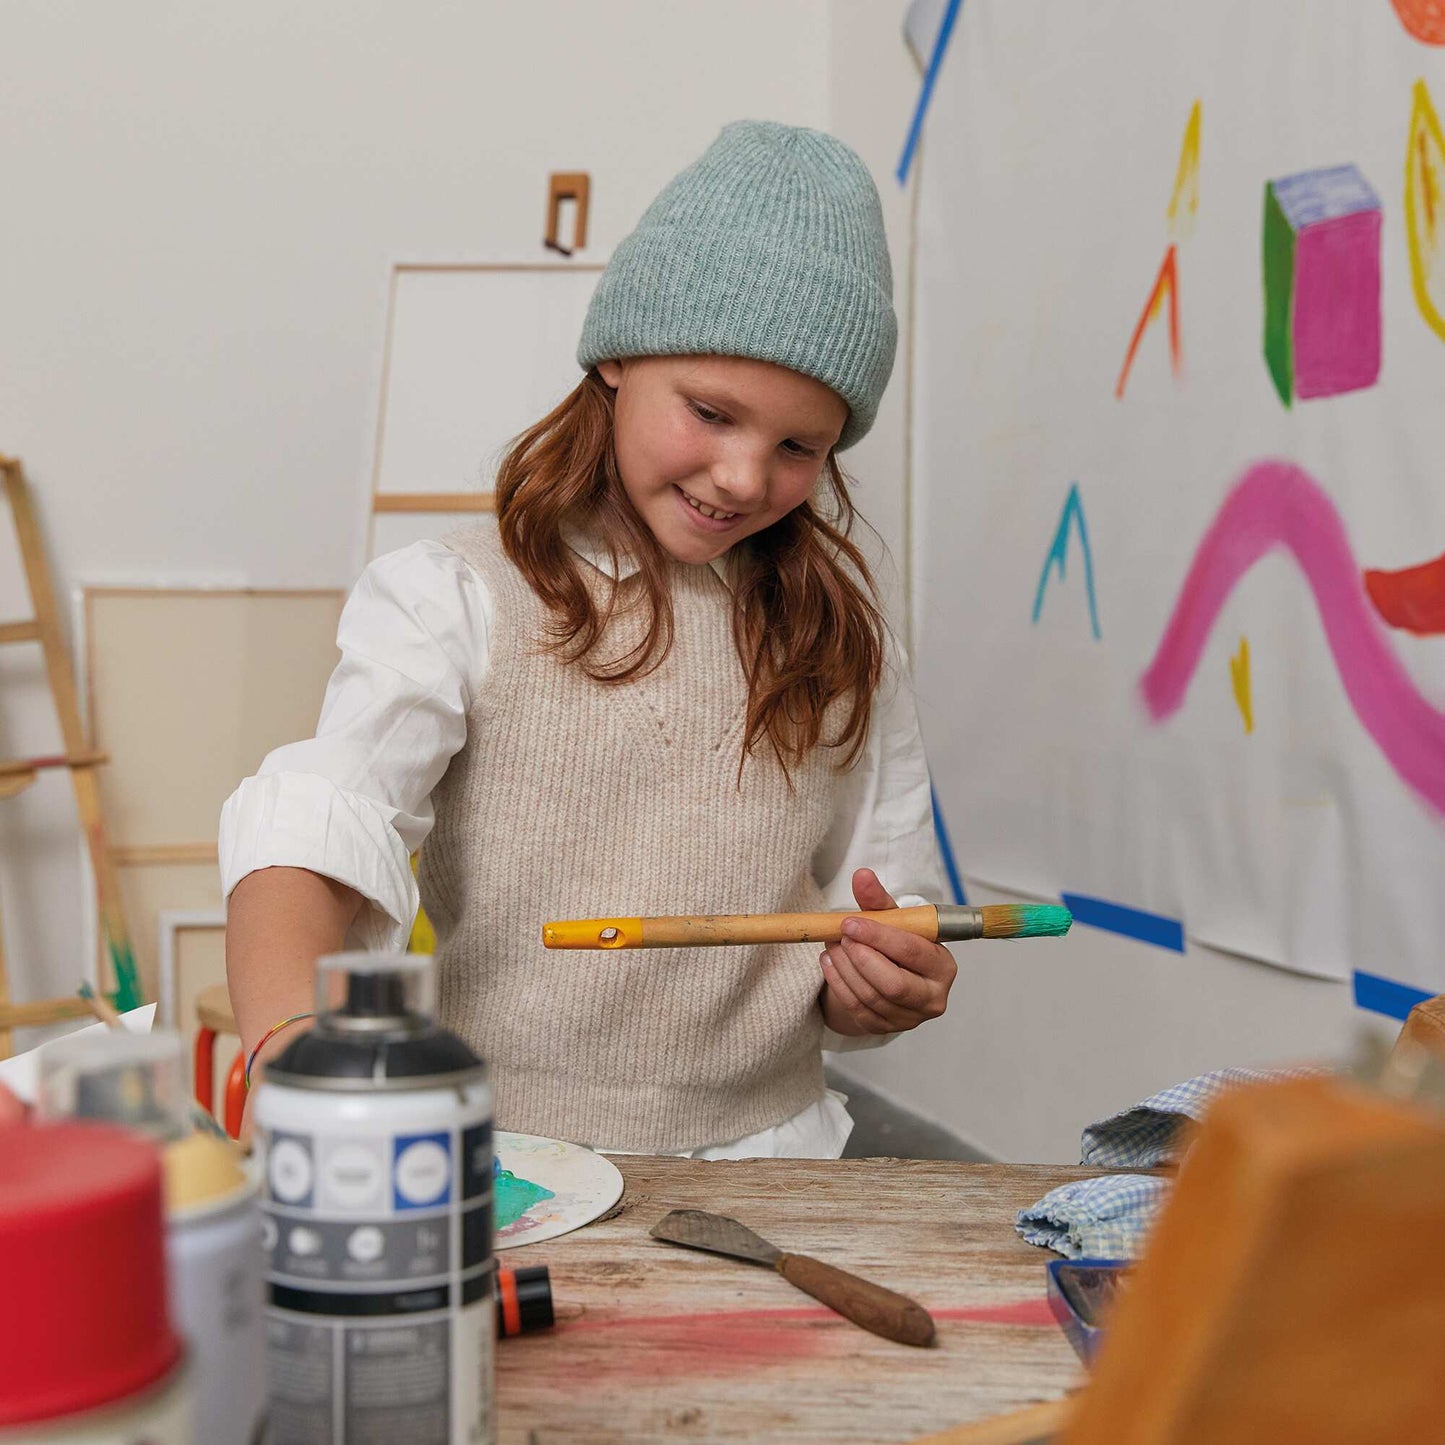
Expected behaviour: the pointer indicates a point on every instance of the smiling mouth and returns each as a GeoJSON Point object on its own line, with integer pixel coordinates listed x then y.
{"type": "Point", "coordinates": [713, 514]}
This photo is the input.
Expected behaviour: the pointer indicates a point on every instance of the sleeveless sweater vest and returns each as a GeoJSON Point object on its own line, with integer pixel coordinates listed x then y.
{"type": "Point", "coordinates": [575, 799]}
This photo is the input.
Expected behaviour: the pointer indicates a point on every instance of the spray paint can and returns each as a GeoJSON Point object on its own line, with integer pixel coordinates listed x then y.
{"type": "Point", "coordinates": [376, 1128]}
{"type": "Point", "coordinates": [88, 1354]}
{"type": "Point", "coordinates": [213, 1221]}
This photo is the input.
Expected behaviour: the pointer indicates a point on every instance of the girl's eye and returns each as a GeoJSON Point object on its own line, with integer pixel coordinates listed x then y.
{"type": "Point", "coordinates": [705, 413]}
{"type": "Point", "coordinates": [797, 449]}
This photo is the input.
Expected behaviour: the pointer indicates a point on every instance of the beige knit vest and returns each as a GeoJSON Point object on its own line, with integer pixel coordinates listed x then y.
{"type": "Point", "coordinates": [572, 799]}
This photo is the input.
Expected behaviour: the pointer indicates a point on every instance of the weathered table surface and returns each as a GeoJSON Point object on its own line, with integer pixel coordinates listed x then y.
{"type": "Point", "coordinates": [677, 1345]}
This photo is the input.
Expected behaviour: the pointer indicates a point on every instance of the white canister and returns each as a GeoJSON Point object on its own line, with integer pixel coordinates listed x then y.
{"type": "Point", "coordinates": [377, 1131]}
{"type": "Point", "coordinates": [213, 1245]}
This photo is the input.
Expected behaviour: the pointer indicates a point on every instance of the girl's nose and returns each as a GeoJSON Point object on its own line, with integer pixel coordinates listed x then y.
{"type": "Point", "coordinates": [743, 481]}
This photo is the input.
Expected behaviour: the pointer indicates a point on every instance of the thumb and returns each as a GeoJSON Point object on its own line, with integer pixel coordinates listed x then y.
{"type": "Point", "coordinates": [869, 893]}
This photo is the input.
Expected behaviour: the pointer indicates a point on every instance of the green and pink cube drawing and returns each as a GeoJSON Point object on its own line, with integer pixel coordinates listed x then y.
{"type": "Point", "coordinates": [1321, 283]}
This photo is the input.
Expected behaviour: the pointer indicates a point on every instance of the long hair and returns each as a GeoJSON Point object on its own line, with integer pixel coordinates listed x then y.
{"type": "Point", "coordinates": [806, 621]}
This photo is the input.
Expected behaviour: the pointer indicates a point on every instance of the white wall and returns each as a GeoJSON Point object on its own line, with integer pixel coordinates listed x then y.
{"type": "Point", "coordinates": [1043, 1037]}
{"type": "Point", "coordinates": [202, 203]}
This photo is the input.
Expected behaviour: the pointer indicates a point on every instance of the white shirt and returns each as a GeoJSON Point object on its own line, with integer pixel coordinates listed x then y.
{"type": "Point", "coordinates": [354, 802]}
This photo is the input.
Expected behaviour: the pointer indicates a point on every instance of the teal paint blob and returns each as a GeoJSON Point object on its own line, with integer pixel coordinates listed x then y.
{"type": "Point", "coordinates": [513, 1197]}
{"type": "Point", "coordinates": [1043, 920]}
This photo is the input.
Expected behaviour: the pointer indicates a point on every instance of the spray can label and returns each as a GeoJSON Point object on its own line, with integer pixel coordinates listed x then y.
{"type": "Point", "coordinates": [379, 1262]}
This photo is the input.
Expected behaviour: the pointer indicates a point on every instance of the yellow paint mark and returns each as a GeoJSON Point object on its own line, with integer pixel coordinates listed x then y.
{"type": "Point", "coordinates": [1239, 678]}
{"type": "Point", "coordinates": [1424, 193]}
{"type": "Point", "coordinates": [423, 936]}
{"type": "Point", "coordinates": [1185, 201]}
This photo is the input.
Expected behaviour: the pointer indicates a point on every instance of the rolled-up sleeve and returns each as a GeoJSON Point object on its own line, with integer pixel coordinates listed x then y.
{"type": "Point", "coordinates": [354, 802]}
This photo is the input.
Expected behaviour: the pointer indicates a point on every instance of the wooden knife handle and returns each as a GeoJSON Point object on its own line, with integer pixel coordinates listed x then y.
{"type": "Point", "coordinates": [894, 1316]}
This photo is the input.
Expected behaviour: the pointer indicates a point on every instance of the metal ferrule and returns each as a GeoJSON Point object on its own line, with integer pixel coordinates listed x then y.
{"type": "Point", "coordinates": [957, 924]}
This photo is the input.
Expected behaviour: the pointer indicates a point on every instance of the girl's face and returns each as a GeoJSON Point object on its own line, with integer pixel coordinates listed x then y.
{"type": "Point", "coordinates": [714, 448]}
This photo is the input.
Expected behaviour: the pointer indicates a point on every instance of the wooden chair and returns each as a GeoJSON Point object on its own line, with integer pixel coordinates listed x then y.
{"type": "Point", "coordinates": [215, 1016]}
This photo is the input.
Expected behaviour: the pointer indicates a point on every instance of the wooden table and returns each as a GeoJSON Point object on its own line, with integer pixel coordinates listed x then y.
{"type": "Point", "coordinates": [677, 1345]}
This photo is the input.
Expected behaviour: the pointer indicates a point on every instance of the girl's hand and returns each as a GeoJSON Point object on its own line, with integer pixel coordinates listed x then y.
{"type": "Point", "coordinates": [881, 980]}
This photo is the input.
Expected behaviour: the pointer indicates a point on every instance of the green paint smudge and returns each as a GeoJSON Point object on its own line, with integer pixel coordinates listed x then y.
{"type": "Point", "coordinates": [513, 1197]}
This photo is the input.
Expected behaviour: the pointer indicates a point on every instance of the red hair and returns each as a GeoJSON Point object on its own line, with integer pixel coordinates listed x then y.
{"type": "Point", "coordinates": [806, 620]}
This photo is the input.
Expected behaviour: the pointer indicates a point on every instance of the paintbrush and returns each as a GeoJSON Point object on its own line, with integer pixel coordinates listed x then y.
{"type": "Point", "coordinates": [894, 1316]}
{"type": "Point", "coordinates": [939, 923]}
{"type": "Point", "coordinates": [100, 1006]}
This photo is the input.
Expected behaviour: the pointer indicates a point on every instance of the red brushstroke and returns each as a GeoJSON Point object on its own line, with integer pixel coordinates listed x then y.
{"type": "Point", "coordinates": [1167, 282]}
{"type": "Point", "coordinates": [726, 1342]}
{"type": "Point", "coordinates": [1276, 504]}
{"type": "Point", "coordinates": [1412, 599]}
{"type": "Point", "coordinates": [1424, 19]}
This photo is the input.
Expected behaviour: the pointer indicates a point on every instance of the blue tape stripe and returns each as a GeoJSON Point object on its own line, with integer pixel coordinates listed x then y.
{"type": "Point", "coordinates": [1131, 922]}
{"type": "Point", "coordinates": [935, 61]}
{"type": "Point", "coordinates": [1385, 996]}
{"type": "Point", "coordinates": [940, 829]}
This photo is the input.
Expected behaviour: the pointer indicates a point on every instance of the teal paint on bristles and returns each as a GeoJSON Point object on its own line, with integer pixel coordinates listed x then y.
{"type": "Point", "coordinates": [1025, 920]}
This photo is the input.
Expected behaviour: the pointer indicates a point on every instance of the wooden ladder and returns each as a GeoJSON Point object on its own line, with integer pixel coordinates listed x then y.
{"type": "Point", "coordinates": [81, 762]}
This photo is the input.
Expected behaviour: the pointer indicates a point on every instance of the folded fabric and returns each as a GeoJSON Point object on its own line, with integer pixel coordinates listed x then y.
{"type": "Point", "coordinates": [1105, 1218]}
{"type": "Point", "coordinates": [1148, 1134]}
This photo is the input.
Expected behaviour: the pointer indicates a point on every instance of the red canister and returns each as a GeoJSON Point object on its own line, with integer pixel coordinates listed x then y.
{"type": "Point", "coordinates": [85, 1322]}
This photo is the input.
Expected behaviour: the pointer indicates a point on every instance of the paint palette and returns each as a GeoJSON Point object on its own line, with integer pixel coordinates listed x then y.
{"type": "Point", "coordinates": [572, 1186]}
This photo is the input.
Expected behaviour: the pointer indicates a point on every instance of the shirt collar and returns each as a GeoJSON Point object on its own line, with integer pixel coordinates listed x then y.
{"type": "Point", "coordinates": [590, 548]}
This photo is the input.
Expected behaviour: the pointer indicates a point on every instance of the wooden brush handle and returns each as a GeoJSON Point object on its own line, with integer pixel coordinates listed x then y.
{"type": "Point", "coordinates": [894, 1316]}
{"type": "Point", "coordinates": [778, 927]}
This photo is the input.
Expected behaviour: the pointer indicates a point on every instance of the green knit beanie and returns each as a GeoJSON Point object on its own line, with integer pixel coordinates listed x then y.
{"type": "Point", "coordinates": [770, 246]}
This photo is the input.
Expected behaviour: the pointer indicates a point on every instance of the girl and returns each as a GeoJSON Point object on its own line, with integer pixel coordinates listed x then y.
{"type": "Point", "coordinates": [659, 685]}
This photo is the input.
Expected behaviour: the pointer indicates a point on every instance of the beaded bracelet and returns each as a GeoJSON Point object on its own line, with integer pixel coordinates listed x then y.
{"type": "Point", "coordinates": [265, 1038]}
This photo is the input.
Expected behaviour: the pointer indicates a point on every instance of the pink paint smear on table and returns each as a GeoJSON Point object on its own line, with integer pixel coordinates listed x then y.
{"type": "Point", "coordinates": [723, 1342]}
{"type": "Point", "coordinates": [1277, 504]}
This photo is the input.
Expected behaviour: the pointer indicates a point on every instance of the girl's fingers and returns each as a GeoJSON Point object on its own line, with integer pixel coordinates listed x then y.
{"type": "Point", "coordinates": [869, 893]}
{"type": "Point", "coordinates": [842, 990]}
{"type": "Point", "coordinates": [890, 989]}
{"type": "Point", "coordinates": [872, 993]}
{"type": "Point", "coordinates": [907, 950]}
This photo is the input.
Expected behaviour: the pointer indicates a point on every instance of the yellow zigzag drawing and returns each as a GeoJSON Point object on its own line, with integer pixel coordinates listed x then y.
{"type": "Point", "coordinates": [1424, 199]}
{"type": "Point", "coordinates": [1185, 201]}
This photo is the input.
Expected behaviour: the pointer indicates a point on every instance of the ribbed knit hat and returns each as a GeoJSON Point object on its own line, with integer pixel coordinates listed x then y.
{"type": "Point", "coordinates": [771, 246]}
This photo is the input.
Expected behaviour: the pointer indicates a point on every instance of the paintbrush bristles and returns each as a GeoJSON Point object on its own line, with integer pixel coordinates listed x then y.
{"type": "Point", "coordinates": [1025, 920]}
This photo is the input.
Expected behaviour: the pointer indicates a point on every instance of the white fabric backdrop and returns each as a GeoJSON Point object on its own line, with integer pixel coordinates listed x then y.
{"type": "Point", "coordinates": [1052, 149]}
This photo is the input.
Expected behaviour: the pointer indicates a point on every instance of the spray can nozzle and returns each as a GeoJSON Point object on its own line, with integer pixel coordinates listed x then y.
{"type": "Point", "coordinates": [374, 985]}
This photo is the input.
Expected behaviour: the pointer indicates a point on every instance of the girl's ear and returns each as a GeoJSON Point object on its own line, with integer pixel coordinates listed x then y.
{"type": "Point", "coordinates": [611, 373]}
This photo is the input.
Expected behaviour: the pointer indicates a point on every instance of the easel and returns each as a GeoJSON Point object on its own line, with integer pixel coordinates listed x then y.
{"type": "Point", "coordinates": [81, 762]}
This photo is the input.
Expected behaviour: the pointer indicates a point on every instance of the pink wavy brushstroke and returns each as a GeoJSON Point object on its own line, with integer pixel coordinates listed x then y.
{"type": "Point", "coordinates": [1277, 504]}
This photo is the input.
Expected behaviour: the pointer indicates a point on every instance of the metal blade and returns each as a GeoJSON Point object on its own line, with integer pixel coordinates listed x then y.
{"type": "Point", "coordinates": [700, 1230]}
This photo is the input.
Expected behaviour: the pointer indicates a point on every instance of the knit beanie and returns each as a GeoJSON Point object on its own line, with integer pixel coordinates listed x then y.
{"type": "Point", "coordinates": [770, 246]}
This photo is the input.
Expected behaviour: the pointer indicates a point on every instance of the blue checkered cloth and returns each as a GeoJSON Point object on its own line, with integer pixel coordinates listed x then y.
{"type": "Point", "coordinates": [1147, 1135]}
{"type": "Point", "coordinates": [1107, 1218]}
